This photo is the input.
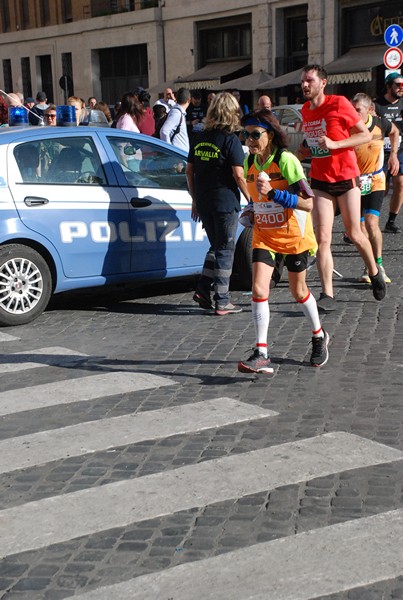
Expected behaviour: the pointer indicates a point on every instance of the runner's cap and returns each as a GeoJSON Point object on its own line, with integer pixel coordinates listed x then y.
{"type": "Point", "coordinates": [391, 77]}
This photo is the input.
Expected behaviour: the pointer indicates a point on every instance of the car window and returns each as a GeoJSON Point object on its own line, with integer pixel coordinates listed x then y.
{"type": "Point", "coordinates": [147, 165]}
{"type": "Point", "coordinates": [61, 161]}
{"type": "Point", "coordinates": [289, 117]}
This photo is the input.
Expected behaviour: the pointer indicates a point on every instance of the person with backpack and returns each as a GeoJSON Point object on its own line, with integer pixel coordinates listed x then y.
{"type": "Point", "coordinates": [174, 130]}
{"type": "Point", "coordinates": [282, 201]}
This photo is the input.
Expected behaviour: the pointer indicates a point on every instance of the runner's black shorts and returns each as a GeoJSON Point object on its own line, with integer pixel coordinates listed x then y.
{"type": "Point", "coordinates": [372, 203]}
{"type": "Point", "coordinates": [337, 188]}
{"type": "Point", "coordinates": [295, 263]}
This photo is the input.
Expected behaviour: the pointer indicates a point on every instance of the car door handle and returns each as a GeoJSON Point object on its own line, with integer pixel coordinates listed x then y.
{"type": "Point", "coordinates": [35, 201]}
{"type": "Point", "coordinates": [140, 202]}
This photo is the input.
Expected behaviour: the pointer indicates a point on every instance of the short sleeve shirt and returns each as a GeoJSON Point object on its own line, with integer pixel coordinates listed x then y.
{"type": "Point", "coordinates": [279, 229]}
{"type": "Point", "coordinates": [393, 112]}
{"type": "Point", "coordinates": [213, 154]}
{"type": "Point", "coordinates": [370, 156]}
{"type": "Point", "coordinates": [334, 118]}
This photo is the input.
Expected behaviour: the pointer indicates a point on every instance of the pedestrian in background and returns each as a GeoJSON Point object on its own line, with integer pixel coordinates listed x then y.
{"type": "Point", "coordinates": [50, 115]}
{"type": "Point", "coordinates": [37, 112]}
{"type": "Point", "coordinates": [129, 113]}
{"type": "Point", "coordinates": [168, 99]}
{"type": "Point", "coordinates": [78, 105]}
{"type": "Point", "coordinates": [103, 106]}
{"type": "Point", "coordinates": [390, 106]}
{"type": "Point", "coordinates": [146, 122]}
{"type": "Point", "coordinates": [174, 130]}
{"type": "Point", "coordinates": [160, 115]}
{"type": "Point", "coordinates": [215, 175]}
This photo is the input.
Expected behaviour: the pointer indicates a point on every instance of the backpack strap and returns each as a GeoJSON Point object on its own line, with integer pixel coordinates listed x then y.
{"type": "Point", "coordinates": [178, 127]}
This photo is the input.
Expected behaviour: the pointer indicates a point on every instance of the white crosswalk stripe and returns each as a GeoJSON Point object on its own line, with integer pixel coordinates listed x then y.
{"type": "Point", "coordinates": [323, 561]}
{"type": "Point", "coordinates": [6, 337]}
{"type": "Point", "coordinates": [304, 567]}
{"type": "Point", "coordinates": [217, 480]}
{"type": "Point", "coordinates": [76, 440]}
{"type": "Point", "coordinates": [21, 361]}
{"type": "Point", "coordinates": [81, 389]}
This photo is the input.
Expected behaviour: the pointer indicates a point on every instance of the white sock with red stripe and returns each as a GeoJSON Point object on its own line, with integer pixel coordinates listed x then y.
{"type": "Point", "coordinates": [261, 320]}
{"type": "Point", "coordinates": [310, 309]}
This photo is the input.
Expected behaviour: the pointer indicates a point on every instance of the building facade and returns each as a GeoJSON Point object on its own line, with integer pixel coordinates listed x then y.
{"type": "Point", "coordinates": [106, 47]}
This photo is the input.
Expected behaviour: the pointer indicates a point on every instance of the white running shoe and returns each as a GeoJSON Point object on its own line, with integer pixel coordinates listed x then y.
{"type": "Point", "coordinates": [385, 277]}
{"type": "Point", "coordinates": [364, 277]}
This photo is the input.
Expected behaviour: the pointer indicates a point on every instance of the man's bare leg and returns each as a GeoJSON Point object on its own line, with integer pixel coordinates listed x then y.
{"type": "Point", "coordinates": [323, 218]}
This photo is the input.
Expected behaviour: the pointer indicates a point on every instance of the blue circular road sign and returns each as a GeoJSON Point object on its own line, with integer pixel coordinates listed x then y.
{"type": "Point", "coordinates": [393, 35]}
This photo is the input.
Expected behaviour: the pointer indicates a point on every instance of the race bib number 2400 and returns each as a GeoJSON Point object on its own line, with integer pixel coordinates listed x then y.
{"type": "Point", "coordinates": [269, 215]}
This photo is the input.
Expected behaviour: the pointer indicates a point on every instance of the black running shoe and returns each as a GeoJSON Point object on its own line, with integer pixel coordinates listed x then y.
{"type": "Point", "coordinates": [392, 228]}
{"type": "Point", "coordinates": [320, 353]}
{"type": "Point", "coordinates": [347, 240]}
{"type": "Point", "coordinates": [326, 303]}
{"type": "Point", "coordinates": [256, 363]}
{"type": "Point", "coordinates": [378, 286]}
{"type": "Point", "coordinates": [203, 300]}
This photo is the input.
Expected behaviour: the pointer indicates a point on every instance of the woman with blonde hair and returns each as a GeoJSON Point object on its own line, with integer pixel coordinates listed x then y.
{"type": "Point", "coordinates": [78, 104]}
{"type": "Point", "coordinates": [215, 175]}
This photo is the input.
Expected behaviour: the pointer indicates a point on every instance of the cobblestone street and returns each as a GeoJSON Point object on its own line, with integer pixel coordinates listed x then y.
{"type": "Point", "coordinates": [96, 491]}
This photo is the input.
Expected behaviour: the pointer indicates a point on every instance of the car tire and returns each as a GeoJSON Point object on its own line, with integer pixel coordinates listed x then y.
{"type": "Point", "coordinates": [25, 284]}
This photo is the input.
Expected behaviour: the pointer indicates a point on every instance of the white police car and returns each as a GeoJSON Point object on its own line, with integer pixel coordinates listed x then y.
{"type": "Point", "coordinates": [84, 207]}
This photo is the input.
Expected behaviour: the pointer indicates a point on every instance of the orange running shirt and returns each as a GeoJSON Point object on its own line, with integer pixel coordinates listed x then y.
{"type": "Point", "coordinates": [370, 156]}
{"type": "Point", "coordinates": [279, 229]}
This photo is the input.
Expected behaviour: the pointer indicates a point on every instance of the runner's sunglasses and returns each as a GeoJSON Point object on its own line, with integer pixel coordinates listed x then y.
{"type": "Point", "coordinates": [255, 135]}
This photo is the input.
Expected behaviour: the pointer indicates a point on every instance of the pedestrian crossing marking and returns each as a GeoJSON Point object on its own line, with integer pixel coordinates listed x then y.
{"type": "Point", "coordinates": [76, 440]}
{"type": "Point", "coordinates": [305, 566]}
{"type": "Point", "coordinates": [21, 361]}
{"type": "Point", "coordinates": [79, 390]}
{"type": "Point", "coordinates": [6, 337]}
{"type": "Point", "coordinates": [85, 512]}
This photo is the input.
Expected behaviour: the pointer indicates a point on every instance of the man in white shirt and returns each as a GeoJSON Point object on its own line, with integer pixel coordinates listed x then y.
{"type": "Point", "coordinates": [174, 130]}
{"type": "Point", "coordinates": [168, 101]}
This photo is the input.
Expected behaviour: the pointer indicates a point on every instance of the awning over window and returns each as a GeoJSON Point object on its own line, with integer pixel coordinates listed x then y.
{"type": "Point", "coordinates": [292, 78]}
{"type": "Point", "coordinates": [356, 65]}
{"type": "Point", "coordinates": [248, 82]}
{"type": "Point", "coordinates": [210, 75]}
{"type": "Point", "coordinates": [160, 87]}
